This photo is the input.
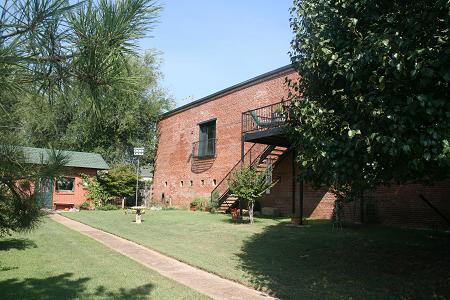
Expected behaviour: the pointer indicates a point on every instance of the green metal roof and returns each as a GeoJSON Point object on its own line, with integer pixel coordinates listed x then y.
{"type": "Point", "coordinates": [76, 159]}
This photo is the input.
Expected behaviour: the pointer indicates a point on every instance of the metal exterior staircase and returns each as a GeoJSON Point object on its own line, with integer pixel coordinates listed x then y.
{"type": "Point", "coordinates": [270, 156]}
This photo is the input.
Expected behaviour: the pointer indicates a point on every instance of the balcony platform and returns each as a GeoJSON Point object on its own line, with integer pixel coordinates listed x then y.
{"type": "Point", "coordinates": [267, 124]}
{"type": "Point", "coordinates": [270, 136]}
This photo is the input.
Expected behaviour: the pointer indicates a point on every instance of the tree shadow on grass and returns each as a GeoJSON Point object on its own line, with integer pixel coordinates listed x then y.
{"type": "Point", "coordinates": [362, 262]}
{"type": "Point", "coordinates": [17, 244]}
{"type": "Point", "coordinates": [63, 286]}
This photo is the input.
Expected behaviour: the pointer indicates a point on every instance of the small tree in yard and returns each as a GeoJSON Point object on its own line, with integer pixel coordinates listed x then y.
{"type": "Point", "coordinates": [249, 185]}
{"type": "Point", "coordinates": [120, 181]}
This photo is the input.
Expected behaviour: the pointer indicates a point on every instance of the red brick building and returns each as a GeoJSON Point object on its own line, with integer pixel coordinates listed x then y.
{"type": "Point", "coordinates": [67, 191]}
{"type": "Point", "coordinates": [202, 142]}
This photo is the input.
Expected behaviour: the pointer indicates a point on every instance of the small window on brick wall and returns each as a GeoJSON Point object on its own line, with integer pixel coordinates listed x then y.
{"type": "Point", "coordinates": [214, 182]}
{"type": "Point", "coordinates": [65, 184]}
{"type": "Point", "coordinates": [181, 183]}
{"type": "Point", "coordinates": [165, 183]}
{"type": "Point", "coordinates": [191, 183]}
{"type": "Point", "coordinates": [203, 182]}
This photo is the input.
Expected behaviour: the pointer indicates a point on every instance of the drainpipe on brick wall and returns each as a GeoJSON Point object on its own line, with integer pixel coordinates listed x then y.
{"type": "Point", "coordinates": [301, 202]}
{"type": "Point", "coordinates": [293, 183]}
{"type": "Point", "coordinates": [242, 164]}
{"type": "Point", "coordinates": [361, 203]}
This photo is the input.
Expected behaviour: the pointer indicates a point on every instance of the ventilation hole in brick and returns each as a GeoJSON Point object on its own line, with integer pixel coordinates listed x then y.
{"type": "Point", "coordinates": [203, 182]}
{"type": "Point", "coordinates": [165, 183]}
{"type": "Point", "coordinates": [214, 182]}
{"type": "Point", "coordinates": [181, 183]}
{"type": "Point", "coordinates": [191, 183]}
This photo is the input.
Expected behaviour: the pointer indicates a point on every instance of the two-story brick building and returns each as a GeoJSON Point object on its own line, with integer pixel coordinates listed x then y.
{"type": "Point", "coordinates": [202, 142]}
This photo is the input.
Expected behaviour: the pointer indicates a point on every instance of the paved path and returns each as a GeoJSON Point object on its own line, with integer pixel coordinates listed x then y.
{"type": "Point", "coordinates": [199, 280]}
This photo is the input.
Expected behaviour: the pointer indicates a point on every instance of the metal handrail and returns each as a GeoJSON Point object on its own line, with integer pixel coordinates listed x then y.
{"type": "Point", "coordinates": [247, 156]}
{"type": "Point", "coordinates": [265, 117]}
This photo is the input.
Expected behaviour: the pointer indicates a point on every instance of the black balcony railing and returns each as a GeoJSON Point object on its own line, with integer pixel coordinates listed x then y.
{"type": "Point", "coordinates": [204, 149]}
{"type": "Point", "coordinates": [266, 117]}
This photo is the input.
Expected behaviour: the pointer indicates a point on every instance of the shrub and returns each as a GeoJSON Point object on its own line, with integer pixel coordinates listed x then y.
{"type": "Point", "coordinates": [96, 191]}
{"type": "Point", "coordinates": [120, 181]}
{"type": "Point", "coordinates": [199, 203]}
{"type": "Point", "coordinates": [107, 207]}
{"type": "Point", "coordinates": [85, 205]}
{"type": "Point", "coordinates": [214, 203]}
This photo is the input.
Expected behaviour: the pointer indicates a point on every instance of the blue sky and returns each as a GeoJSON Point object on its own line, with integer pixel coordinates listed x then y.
{"type": "Point", "coordinates": [210, 45]}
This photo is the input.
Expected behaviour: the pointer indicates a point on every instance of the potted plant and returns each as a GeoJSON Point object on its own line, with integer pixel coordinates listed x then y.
{"type": "Point", "coordinates": [197, 203]}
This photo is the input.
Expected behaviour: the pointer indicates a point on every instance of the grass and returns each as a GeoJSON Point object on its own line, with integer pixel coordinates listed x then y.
{"type": "Point", "coordinates": [54, 262]}
{"type": "Point", "coordinates": [359, 262]}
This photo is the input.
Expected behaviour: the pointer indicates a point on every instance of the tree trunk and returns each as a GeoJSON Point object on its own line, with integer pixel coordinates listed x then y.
{"type": "Point", "coordinates": [251, 204]}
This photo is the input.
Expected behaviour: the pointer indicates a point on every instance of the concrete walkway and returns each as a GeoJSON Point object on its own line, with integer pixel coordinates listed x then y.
{"type": "Point", "coordinates": [199, 280]}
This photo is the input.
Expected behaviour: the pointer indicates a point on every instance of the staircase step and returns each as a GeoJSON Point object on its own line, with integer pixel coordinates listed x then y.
{"type": "Point", "coordinates": [276, 152]}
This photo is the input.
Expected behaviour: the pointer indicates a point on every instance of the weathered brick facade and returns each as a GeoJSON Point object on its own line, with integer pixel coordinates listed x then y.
{"type": "Point", "coordinates": [179, 177]}
{"type": "Point", "coordinates": [176, 169]}
{"type": "Point", "coordinates": [401, 205]}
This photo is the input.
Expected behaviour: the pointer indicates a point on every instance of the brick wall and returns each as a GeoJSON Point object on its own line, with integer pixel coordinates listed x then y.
{"type": "Point", "coordinates": [317, 203]}
{"type": "Point", "coordinates": [401, 205]}
{"type": "Point", "coordinates": [78, 196]}
{"type": "Point", "coordinates": [174, 162]}
{"type": "Point", "coordinates": [180, 177]}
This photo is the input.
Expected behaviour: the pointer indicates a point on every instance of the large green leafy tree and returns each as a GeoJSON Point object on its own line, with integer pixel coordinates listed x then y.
{"type": "Point", "coordinates": [88, 90]}
{"type": "Point", "coordinates": [52, 50]}
{"type": "Point", "coordinates": [372, 105]}
{"type": "Point", "coordinates": [128, 119]}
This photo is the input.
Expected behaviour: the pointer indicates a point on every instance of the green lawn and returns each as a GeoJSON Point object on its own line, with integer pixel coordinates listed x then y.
{"type": "Point", "coordinates": [370, 262]}
{"type": "Point", "coordinates": [54, 262]}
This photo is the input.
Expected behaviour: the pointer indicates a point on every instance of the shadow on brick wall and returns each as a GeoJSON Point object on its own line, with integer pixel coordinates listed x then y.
{"type": "Point", "coordinates": [201, 165]}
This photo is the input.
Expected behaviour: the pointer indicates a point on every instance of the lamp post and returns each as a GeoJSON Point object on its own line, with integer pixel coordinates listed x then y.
{"type": "Point", "coordinates": [138, 152]}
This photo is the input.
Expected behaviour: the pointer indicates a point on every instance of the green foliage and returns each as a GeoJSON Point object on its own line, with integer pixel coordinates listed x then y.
{"type": "Point", "coordinates": [20, 202]}
{"type": "Point", "coordinates": [374, 91]}
{"type": "Point", "coordinates": [85, 205]}
{"type": "Point", "coordinates": [199, 202]}
{"type": "Point", "coordinates": [52, 47]}
{"type": "Point", "coordinates": [127, 120]}
{"type": "Point", "coordinates": [120, 181]}
{"type": "Point", "coordinates": [96, 192]}
{"type": "Point", "coordinates": [108, 206]}
{"type": "Point", "coordinates": [66, 82]}
{"type": "Point", "coordinates": [62, 64]}
{"type": "Point", "coordinates": [213, 204]}
{"type": "Point", "coordinates": [248, 184]}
